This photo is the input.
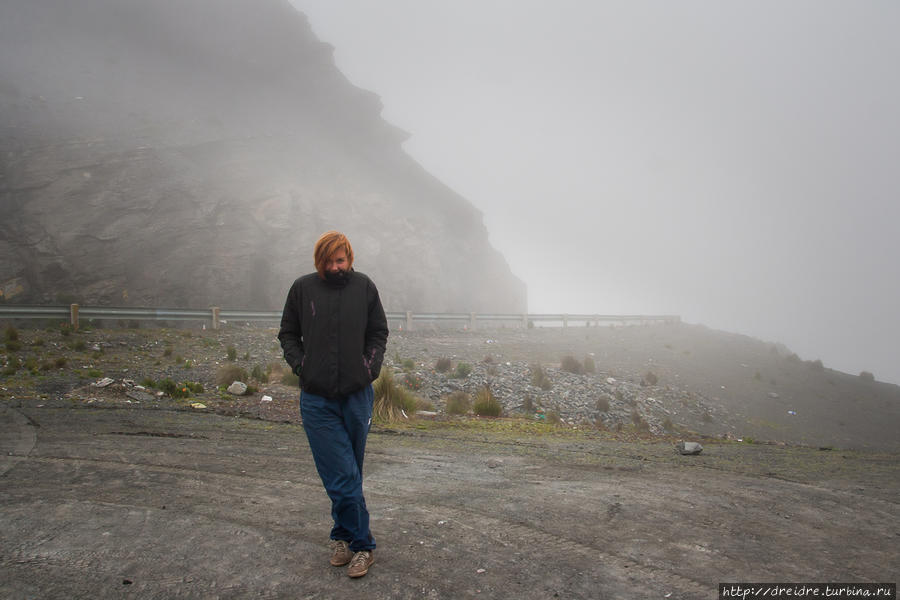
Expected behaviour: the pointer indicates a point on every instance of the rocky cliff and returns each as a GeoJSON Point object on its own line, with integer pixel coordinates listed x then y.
{"type": "Point", "coordinates": [189, 153]}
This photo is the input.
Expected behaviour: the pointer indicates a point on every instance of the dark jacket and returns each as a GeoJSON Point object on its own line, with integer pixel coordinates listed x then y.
{"type": "Point", "coordinates": [334, 333]}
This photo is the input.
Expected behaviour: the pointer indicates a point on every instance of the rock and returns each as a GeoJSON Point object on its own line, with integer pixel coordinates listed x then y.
{"type": "Point", "coordinates": [140, 396]}
{"type": "Point", "coordinates": [198, 405]}
{"type": "Point", "coordinates": [102, 383]}
{"type": "Point", "coordinates": [238, 388]}
{"type": "Point", "coordinates": [773, 395]}
{"type": "Point", "coordinates": [266, 399]}
{"type": "Point", "coordinates": [689, 448]}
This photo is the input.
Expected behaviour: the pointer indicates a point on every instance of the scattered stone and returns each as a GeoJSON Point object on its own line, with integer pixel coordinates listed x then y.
{"type": "Point", "coordinates": [198, 405]}
{"type": "Point", "coordinates": [238, 388]}
{"type": "Point", "coordinates": [493, 463]}
{"type": "Point", "coordinates": [140, 396]}
{"type": "Point", "coordinates": [773, 395]}
{"type": "Point", "coordinates": [102, 383]}
{"type": "Point", "coordinates": [266, 399]}
{"type": "Point", "coordinates": [689, 448]}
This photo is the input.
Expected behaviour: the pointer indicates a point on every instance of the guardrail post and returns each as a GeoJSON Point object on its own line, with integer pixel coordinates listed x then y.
{"type": "Point", "coordinates": [472, 321]}
{"type": "Point", "coordinates": [525, 321]}
{"type": "Point", "coordinates": [73, 316]}
{"type": "Point", "coordinates": [565, 321]}
{"type": "Point", "coordinates": [409, 320]}
{"type": "Point", "coordinates": [215, 317]}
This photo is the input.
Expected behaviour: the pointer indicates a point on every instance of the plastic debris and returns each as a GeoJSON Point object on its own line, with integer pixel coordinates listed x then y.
{"type": "Point", "coordinates": [266, 399]}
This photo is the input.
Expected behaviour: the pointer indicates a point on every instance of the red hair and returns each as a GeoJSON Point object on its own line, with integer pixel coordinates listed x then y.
{"type": "Point", "coordinates": [327, 246]}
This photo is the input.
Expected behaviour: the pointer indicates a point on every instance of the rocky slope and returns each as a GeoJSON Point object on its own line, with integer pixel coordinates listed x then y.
{"type": "Point", "coordinates": [669, 380]}
{"type": "Point", "coordinates": [189, 154]}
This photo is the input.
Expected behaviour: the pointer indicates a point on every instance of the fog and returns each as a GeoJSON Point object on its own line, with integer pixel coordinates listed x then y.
{"type": "Point", "coordinates": [735, 164]}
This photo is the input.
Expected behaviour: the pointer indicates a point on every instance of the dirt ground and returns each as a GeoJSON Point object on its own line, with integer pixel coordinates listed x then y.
{"type": "Point", "coordinates": [119, 502]}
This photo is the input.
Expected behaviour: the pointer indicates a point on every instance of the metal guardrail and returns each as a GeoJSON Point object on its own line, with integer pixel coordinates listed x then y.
{"type": "Point", "coordinates": [216, 316]}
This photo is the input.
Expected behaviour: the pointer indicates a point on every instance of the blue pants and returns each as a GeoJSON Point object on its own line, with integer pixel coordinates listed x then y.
{"type": "Point", "coordinates": [337, 430]}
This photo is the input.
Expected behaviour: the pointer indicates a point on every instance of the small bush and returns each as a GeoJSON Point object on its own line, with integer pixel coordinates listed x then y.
{"type": "Point", "coordinates": [571, 365]}
{"type": "Point", "coordinates": [148, 383]}
{"type": "Point", "coordinates": [554, 418]}
{"type": "Point", "coordinates": [667, 424]}
{"type": "Point", "coordinates": [259, 374]}
{"type": "Point", "coordinates": [651, 378]}
{"type": "Point", "coordinates": [167, 351]}
{"type": "Point", "coordinates": [442, 365]}
{"type": "Point", "coordinates": [288, 378]}
{"type": "Point", "coordinates": [539, 378]}
{"type": "Point", "coordinates": [95, 373]}
{"type": "Point", "coordinates": [79, 345]}
{"type": "Point", "coordinates": [866, 375]}
{"type": "Point", "coordinates": [589, 366]}
{"type": "Point", "coordinates": [13, 345]}
{"type": "Point", "coordinates": [639, 423]}
{"type": "Point", "coordinates": [458, 403]}
{"type": "Point", "coordinates": [488, 359]}
{"type": "Point", "coordinates": [391, 399]}
{"type": "Point", "coordinates": [60, 361]}
{"type": "Point", "coordinates": [409, 364]}
{"type": "Point", "coordinates": [10, 334]}
{"type": "Point", "coordinates": [228, 374]}
{"type": "Point", "coordinates": [486, 405]}
{"type": "Point", "coordinates": [423, 404]}
{"type": "Point", "coordinates": [603, 404]}
{"type": "Point", "coordinates": [463, 370]}
{"type": "Point", "coordinates": [174, 390]}
{"type": "Point", "coordinates": [231, 353]}
{"type": "Point", "coordinates": [707, 418]}
{"type": "Point", "coordinates": [412, 381]}
{"type": "Point", "coordinates": [816, 365]}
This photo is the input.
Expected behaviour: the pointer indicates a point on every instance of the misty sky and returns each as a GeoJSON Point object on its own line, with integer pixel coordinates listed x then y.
{"type": "Point", "coordinates": [737, 164]}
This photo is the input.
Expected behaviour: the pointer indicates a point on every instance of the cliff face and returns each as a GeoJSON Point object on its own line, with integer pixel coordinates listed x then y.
{"type": "Point", "coordinates": [187, 154]}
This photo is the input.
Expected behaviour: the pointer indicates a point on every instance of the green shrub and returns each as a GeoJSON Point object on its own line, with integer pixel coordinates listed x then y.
{"type": "Point", "coordinates": [486, 405]}
{"type": "Point", "coordinates": [866, 375]}
{"type": "Point", "coordinates": [412, 381]}
{"type": "Point", "coordinates": [172, 389]}
{"type": "Point", "coordinates": [231, 353]}
{"type": "Point", "coordinates": [458, 403]}
{"type": "Point", "coordinates": [409, 364]}
{"type": "Point", "coordinates": [391, 399]}
{"type": "Point", "coordinates": [60, 361]}
{"type": "Point", "coordinates": [442, 365]}
{"type": "Point", "coordinates": [554, 418]}
{"type": "Point", "coordinates": [650, 378]}
{"type": "Point", "coordinates": [11, 334]}
{"type": "Point", "coordinates": [463, 370]}
{"type": "Point", "coordinates": [79, 345]}
{"type": "Point", "coordinates": [571, 365]}
{"type": "Point", "coordinates": [167, 351]}
{"type": "Point", "coordinates": [259, 374]}
{"type": "Point", "coordinates": [148, 383]}
{"type": "Point", "coordinates": [228, 374]}
{"type": "Point", "coordinates": [95, 373]}
{"type": "Point", "coordinates": [13, 345]}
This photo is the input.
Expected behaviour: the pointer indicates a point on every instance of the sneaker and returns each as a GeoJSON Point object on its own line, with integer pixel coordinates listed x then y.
{"type": "Point", "coordinates": [361, 562]}
{"type": "Point", "coordinates": [340, 553]}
